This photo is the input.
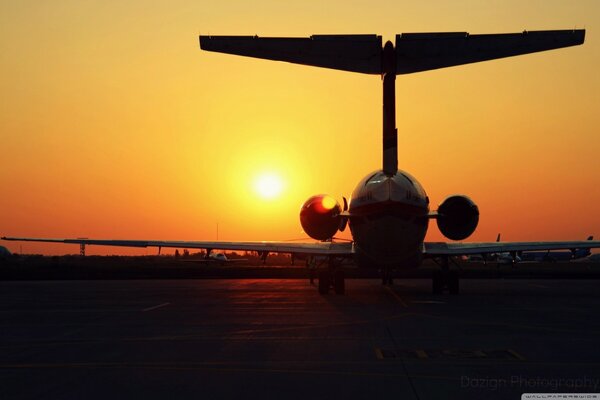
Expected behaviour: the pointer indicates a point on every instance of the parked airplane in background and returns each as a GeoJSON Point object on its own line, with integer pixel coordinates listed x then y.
{"type": "Point", "coordinates": [389, 212]}
{"type": "Point", "coordinates": [553, 256]}
{"type": "Point", "coordinates": [4, 252]}
{"type": "Point", "coordinates": [215, 258]}
{"type": "Point", "coordinates": [506, 257]}
{"type": "Point", "coordinates": [532, 256]}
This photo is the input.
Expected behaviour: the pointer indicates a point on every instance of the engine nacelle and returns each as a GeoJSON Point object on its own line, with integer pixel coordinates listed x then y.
{"type": "Point", "coordinates": [457, 217]}
{"type": "Point", "coordinates": [320, 217]}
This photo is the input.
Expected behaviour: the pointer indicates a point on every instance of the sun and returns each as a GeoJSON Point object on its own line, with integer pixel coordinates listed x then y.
{"type": "Point", "coordinates": [268, 186]}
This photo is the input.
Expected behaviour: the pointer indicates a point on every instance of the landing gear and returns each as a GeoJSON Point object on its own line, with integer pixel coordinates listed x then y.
{"type": "Point", "coordinates": [339, 282]}
{"type": "Point", "coordinates": [334, 278]}
{"type": "Point", "coordinates": [453, 282]}
{"type": "Point", "coordinates": [324, 282]}
{"type": "Point", "coordinates": [437, 283]}
{"type": "Point", "coordinates": [445, 279]}
{"type": "Point", "coordinates": [386, 277]}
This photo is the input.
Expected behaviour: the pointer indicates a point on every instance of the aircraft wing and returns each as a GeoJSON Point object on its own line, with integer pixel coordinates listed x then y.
{"type": "Point", "coordinates": [316, 248]}
{"type": "Point", "coordinates": [436, 249]}
{"type": "Point", "coordinates": [430, 249]}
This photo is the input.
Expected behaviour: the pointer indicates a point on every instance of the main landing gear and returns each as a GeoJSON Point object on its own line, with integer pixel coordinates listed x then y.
{"type": "Point", "coordinates": [386, 277]}
{"type": "Point", "coordinates": [445, 279]}
{"type": "Point", "coordinates": [332, 277]}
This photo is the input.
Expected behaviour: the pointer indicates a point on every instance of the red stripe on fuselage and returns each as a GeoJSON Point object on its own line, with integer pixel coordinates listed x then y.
{"type": "Point", "coordinates": [389, 207]}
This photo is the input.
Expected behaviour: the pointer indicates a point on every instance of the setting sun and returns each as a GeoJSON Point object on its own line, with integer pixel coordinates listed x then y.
{"type": "Point", "coordinates": [268, 186]}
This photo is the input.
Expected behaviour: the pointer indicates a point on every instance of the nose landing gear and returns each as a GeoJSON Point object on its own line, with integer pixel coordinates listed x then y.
{"type": "Point", "coordinates": [386, 277]}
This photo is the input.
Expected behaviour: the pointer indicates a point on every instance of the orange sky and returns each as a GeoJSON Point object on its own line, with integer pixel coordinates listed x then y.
{"type": "Point", "coordinates": [113, 124]}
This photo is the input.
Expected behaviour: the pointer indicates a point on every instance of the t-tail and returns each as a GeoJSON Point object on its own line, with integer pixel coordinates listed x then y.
{"type": "Point", "coordinates": [413, 52]}
{"type": "Point", "coordinates": [582, 253]}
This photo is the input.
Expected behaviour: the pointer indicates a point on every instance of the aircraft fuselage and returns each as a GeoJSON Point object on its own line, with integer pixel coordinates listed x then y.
{"type": "Point", "coordinates": [389, 220]}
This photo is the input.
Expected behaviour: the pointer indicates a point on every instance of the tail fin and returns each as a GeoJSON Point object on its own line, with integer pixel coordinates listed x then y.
{"type": "Point", "coordinates": [414, 52]}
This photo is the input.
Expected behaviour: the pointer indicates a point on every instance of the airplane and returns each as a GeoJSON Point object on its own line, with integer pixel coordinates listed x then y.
{"type": "Point", "coordinates": [216, 258]}
{"type": "Point", "coordinates": [532, 256]}
{"type": "Point", "coordinates": [554, 256]}
{"type": "Point", "coordinates": [389, 211]}
{"type": "Point", "coordinates": [499, 258]}
{"type": "Point", "coordinates": [4, 252]}
{"type": "Point", "coordinates": [506, 257]}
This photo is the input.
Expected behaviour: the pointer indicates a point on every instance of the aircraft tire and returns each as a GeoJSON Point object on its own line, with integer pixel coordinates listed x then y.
{"type": "Point", "coordinates": [386, 278]}
{"type": "Point", "coordinates": [453, 282]}
{"type": "Point", "coordinates": [339, 282]}
{"type": "Point", "coordinates": [437, 284]}
{"type": "Point", "coordinates": [324, 282]}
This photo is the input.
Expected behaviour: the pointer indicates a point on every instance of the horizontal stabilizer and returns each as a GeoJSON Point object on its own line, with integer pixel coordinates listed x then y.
{"type": "Point", "coordinates": [417, 52]}
{"type": "Point", "coordinates": [355, 53]}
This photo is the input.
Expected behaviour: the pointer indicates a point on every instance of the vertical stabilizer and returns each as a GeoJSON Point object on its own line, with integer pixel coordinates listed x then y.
{"type": "Point", "coordinates": [390, 133]}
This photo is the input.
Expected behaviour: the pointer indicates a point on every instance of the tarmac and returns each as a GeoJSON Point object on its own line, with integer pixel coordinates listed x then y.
{"type": "Point", "coordinates": [278, 338]}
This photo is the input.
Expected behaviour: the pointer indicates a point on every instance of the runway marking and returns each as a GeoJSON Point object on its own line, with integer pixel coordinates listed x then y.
{"type": "Point", "coordinates": [516, 355]}
{"type": "Point", "coordinates": [155, 307]}
{"type": "Point", "coordinates": [220, 367]}
{"type": "Point", "coordinates": [519, 326]}
{"type": "Point", "coordinates": [318, 326]}
{"type": "Point", "coordinates": [448, 354]}
{"type": "Point", "coordinates": [197, 367]}
{"type": "Point", "coordinates": [190, 338]}
{"type": "Point", "coordinates": [277, 367]}
{"type": "Point", "coordinates": [421, 354]}
{"type": "Point", "coordinates": [538, 286]}
{"type": "Point", "coordinates": [397, 297]}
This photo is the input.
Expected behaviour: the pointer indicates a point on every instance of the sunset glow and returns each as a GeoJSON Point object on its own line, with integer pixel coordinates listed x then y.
{"type": "Point", "coordinates": [114, 124]}
{"type": "Point", "coordinates": [268, 186]}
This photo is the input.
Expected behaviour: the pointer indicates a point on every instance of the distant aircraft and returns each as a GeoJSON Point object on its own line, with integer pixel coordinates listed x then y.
{"type": "Point", "coordinates": [499, 258]}
{"type": "Point", "coordinates": [506, 257]}
{"type": "Point", "coordinates": [553, 256]}
{"type": "Point", "coordinates": [389, 212]}
{"type": "Point", "coordinates": [533, 256]}
{"type": "Point", "coordinates": [4, 252]}
{"type": "Point", "coordinates": [216, 258]}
